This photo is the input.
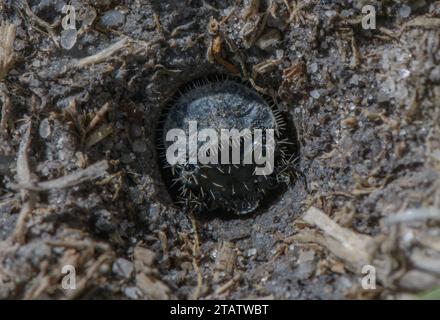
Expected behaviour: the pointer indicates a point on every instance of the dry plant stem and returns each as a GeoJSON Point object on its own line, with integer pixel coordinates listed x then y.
{"type": "Point", "coordinates": [7, 56]}
{"type": "Point", "coordinates": [78, 244]}
{"type": "Point", "coordinates": [99, 134]}
{"type": "Point", "coordinates": [229, 284]}
{"type": "Point", "coordinates": [421, 214]}
{"type": "Point", "coordinates": [98, 117]}
{"type": "Point", "coordinates": [6, 110]}
{"type": "Point", "coordinates": [104, 54]}
{"type": "Point", "coordinates": [353, 248]}
{"type": "Point", "coordinates": [92, 172]}
{"type": "Point", "coordinates": [184, 27]}
{"type": "Point", "coordinates": [40, 22]}
{"type": "Point", "coordinates": [423, 22]}
{"type": "Point", "coordinates": [24, 177]}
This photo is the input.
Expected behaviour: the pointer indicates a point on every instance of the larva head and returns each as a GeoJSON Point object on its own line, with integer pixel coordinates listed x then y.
{"type": "Point", "coordinates": [234, 182]}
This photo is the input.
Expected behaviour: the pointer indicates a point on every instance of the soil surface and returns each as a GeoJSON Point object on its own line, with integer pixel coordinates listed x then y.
{"type": "Point", "coordinates": [81, 185]}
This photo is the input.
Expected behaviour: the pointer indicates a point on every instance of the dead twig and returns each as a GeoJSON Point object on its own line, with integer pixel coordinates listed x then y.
{"type": "Point", "coordinates": [92, 172]}
{"type": "Point", "coordinates": [227, 285]}
{"type": "Point", "coordinates": [355, 249]}
{"type": "Point", "coordinates": [78, 244]}
{"type": "Point", "coordinates": [104, 54]}
{"type": "Point", "coordinates": [411, 215]}
{"type": "Point", "coordinates": [7, 56]}
{"type": "Point", "coordinates": [214, 52]}
{"type": "Point", "coordinates": [423, 22]}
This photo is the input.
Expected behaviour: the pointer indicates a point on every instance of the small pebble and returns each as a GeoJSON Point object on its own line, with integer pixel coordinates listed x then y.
{"type": "Point", "coordinates": [101, 3]}
{"type": "Point", "coordinates": [133, 293]}
{"type": "Point", "coordinates": [354, 80]}
{"type": "Point", "coordinates": [279, 54]}
{"type": "Point", "coordinates": [154, 212]}
{"type": "Point", "coordinates": [315, 94]}
{"type": "Point", "coordinates": [44, 129]}
{"type": "Point", "coordinates": [404, 73]}
{"type": "Point", "coordinates": [112, 19]}
{"type": "Point", "coordinates": [404, 11]}
{"type": "Point", "coordinates": [436, 154]}
{"type": "Point", "coordinates": [123, 268]}
{"type": "Point", "coordinates": [434, 75]}
{"type": "Point", "coordinates": [68, 38]}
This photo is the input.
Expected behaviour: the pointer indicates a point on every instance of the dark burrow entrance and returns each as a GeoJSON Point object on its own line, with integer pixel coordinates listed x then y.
{"type": "Point", "coordinates": [227, 188]}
